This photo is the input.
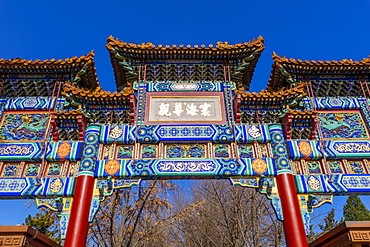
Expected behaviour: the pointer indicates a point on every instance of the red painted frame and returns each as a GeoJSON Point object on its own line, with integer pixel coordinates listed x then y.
{"type": "Point", "coordinates": [184, 94]}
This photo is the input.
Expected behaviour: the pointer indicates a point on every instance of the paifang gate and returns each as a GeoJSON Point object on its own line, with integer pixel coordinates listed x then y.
{"type": "Point", "coordinates": [183, 112]}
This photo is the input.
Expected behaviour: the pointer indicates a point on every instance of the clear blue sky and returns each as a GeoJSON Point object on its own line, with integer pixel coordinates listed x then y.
{"type": "Point", "coordinates": [313, 30]}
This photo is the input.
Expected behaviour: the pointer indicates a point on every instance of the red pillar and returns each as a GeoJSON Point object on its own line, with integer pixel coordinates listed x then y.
{"type": "Point", "coordinates": [78, 225]}
{"type": "Point", "coordinates": [295, 234]}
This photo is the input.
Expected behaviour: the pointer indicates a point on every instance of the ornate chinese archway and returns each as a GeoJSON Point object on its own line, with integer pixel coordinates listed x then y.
{"type": "Point", "coordinates": [183, 112]}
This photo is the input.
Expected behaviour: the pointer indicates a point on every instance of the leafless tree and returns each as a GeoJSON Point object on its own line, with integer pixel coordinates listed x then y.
{"type": "Point", "coordinates": [224, 215]}
{"type": "Point", "coordinates": [132, 217]}
{"type": "Point", "coordinates": [212, 213]}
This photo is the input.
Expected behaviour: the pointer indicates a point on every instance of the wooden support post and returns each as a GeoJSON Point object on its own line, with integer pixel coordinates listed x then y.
{"type": "Point", "coordinates": [78, 225]}
{"type": "Point", "coordinates": [295, 234]}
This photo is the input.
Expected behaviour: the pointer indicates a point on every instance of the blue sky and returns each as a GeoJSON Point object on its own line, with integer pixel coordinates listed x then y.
{"type": "Point", "coordinates": [312, 30]}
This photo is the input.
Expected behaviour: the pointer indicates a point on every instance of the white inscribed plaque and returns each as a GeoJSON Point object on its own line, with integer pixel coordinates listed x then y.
{"type": "Point", "coordinates": [181, 108]}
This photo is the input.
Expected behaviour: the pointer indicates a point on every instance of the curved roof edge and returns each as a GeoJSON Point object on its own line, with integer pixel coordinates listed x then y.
{"type": "Point", "coordinates": [284, 69]}
{"type": "Point", "coordinates": [81, 67]}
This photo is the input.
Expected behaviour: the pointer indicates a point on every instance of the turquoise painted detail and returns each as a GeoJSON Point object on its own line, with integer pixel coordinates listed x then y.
{"type": "Point", "coordinates": [328, 103]}
{"type": "Point", "coordinates": [149, 151]}
{"type": "Point", "coordinates": [74, 155]}
{"type": "Point", "coordinates": [120, 133]}
{"type": "Point", "coordinates": [280, 154]}
{"type": "Point", "coordinates": [33, 103]}
{"type": "Point", "coordinates": [25, 151]}
{"type": "Point", "coordinates": [295, 154]}
{"type": "Point", "coordinates": [222, 151]}
{"type": "Point", "coordinates": [246, 151]}
{"type": "Point", "coordinates": [23, 126]}
{"type": "Point", "coordinates": [252, 133]}
{"type": "Point", "coordinates": [342, 125]}
{"type": "Point", "coordinates": [185, 151]}
{"type": "Point", "coordinates": [90, 152]}
{"type": "Point", "coordinates": [33, 187]}
{"type": "Point", "coordinates": [125, 152]}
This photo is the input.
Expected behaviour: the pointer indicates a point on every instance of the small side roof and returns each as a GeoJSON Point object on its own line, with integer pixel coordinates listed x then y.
{"type": "Point", "coordinates": [284, 69]}
{"type": "Point", "coordinates": [82, 68]}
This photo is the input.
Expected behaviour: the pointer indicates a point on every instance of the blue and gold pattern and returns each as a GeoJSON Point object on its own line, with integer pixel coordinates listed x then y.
{"type": "Point", "coordinates": [22, 151]}
{"type": "Point", "coordinates": [23, 126]}
{"type": "Point", "coordinates": [158, 133]}
{"type": "Point", "coordinates": [246, 151]}
{"type": "Point", "coordinates": [338, 103]}
{"type": "Point", "coordinates": [121, 133]}
{"type": "Point", "coordinates": [33, 187]}
{"type": "Point", "coordinates": [222, 151]}
{"type": "Point", "coordinates": [186, 151]}
{"type": "Point", "coordinates": [90, 152]}
{"type": "Point", "coordinates": [75, 153]}
{"type": "Point", "coordinates": [342, 125]}
{"type": "Point", "coordinates": [34, 104]}
{"type": "Point", "coordinates": [279, 150]}
{"type": "Point", "coordinates": [148, 151]}
{"type": "Point", "coordinates": [125, 152]}
{"type": "Point", "coordinates": [252, 133]}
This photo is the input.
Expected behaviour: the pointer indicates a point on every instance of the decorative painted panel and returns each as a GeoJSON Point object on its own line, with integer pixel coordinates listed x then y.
{"type": "Point", "coordinates": [245, 182]}
{"type": "Point", "coordinates": [313, 167]}
{"type": "Point", "coordinates": [246, 151]}
{"type": "Point", "coordinates": [125, 152]}
{"type": "Point", "coordinates": [11, 169]}
{"type": "Point", "coordinates": [355, 167]}
{"type": "Point", "coordinates": [91, 150]}
{"type": "Point", "coordinates": [149, 151]}
{"type": "Point", "coordinates": [120, 133]}
{"type": "Point", "coordinates": [198, 133]}
{"type": "Point", "coordinates": [54, 204]}
{"type": "Point", "coordinates": [107, 151]}
{"type": "Point", "coordinates": [192, 108]}
{"type": "Point", "coordinates": [340, 103]}
{"type": "Point", "coordinates": [252, 133]}
{"type": "Point", "coordinates": [185, 151]}
{"type": "Point", "coordinates": [336, 167]}
{"type": "Point", "coordinates": [65, 151]}
{"type": "Point", "coordinates": [304, 150]}
{"type": "Point", "coordinates": [222, 151]}
{"type": "Point", "coordinates": [256, 167]}
{"type": "Point", "coordinates": [339, 184]}
{"type": "Point", "coordinates": [32, 170]}
{"type": "Point", "coordinates": [55, 169]}
{"type": "Point", "coordinates": [263, 151]}
{"type": "Point", "coordinates": [336, 149]}
{"type": "Point", "coordinates": [342, 125]}
{"type": "Point", "coordinates": [278, 146]}
{"type": "Point", "coordinates": [23, 126]}
{"type": "Point", "coordinates": [22, 151]}
{"type": "Point", "coordinates": [312, 184]}
{"type": "Point", "coordinates": [185, 168]}
{"type": "Point", "coordinates": [33, 103]}
{"type": "Point", "coordinates": [35, 187]}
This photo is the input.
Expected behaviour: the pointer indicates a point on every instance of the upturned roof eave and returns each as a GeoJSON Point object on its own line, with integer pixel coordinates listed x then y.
{"type": "Point", "coordinates": [284, 67]}
{"type": "Point", "coordinates": [81, 67]}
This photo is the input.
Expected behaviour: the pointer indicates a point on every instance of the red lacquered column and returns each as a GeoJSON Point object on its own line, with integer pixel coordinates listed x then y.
{"type": "Point", "coordinates": [78, 225]}
{"type": "Point", "coordinates": [295, 234]}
